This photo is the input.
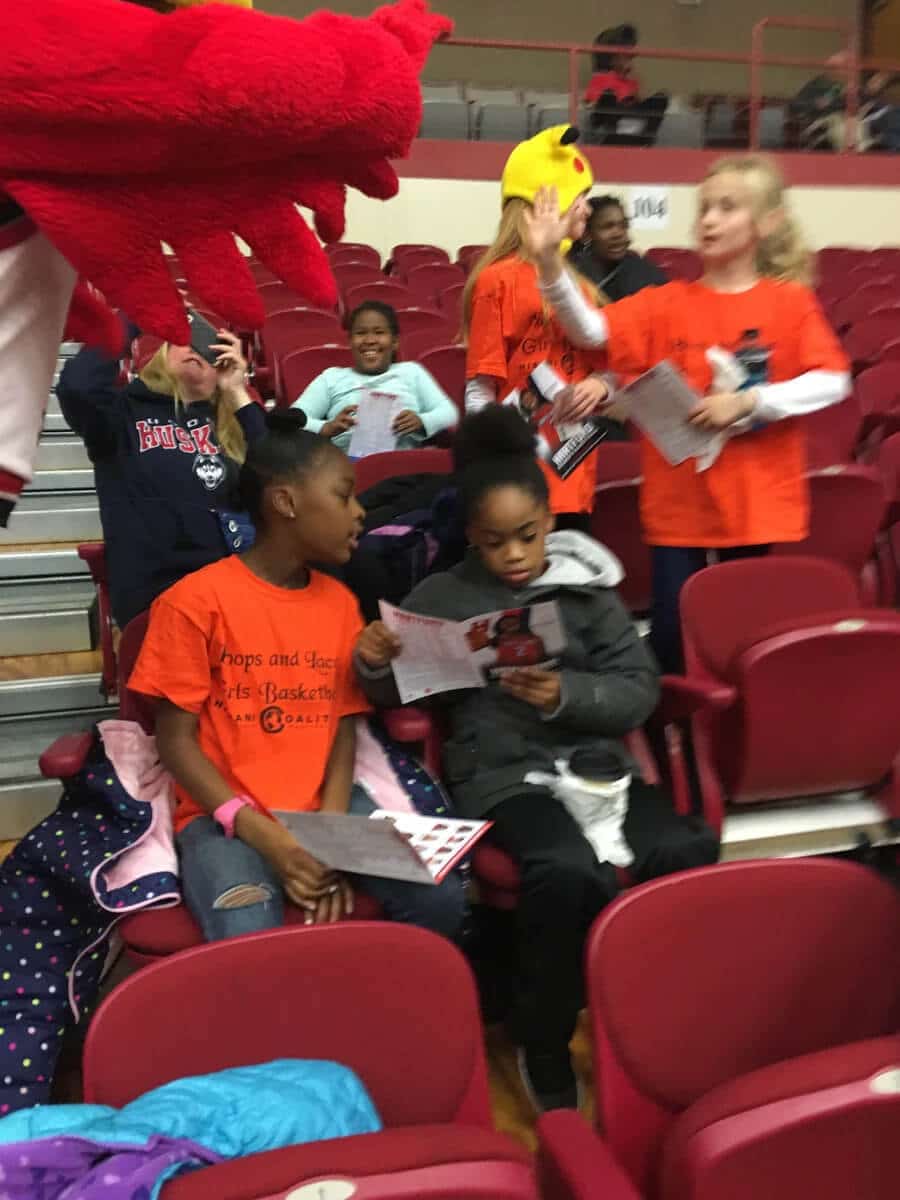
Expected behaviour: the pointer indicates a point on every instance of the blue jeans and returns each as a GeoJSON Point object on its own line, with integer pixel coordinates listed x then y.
{"type": "Point", "coordinates": [213, 865]}
{"type": "Point", "coordinates": [672, 568]}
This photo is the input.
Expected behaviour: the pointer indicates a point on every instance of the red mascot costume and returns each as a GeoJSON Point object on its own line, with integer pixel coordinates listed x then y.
{"type": "Point", "coordinates": [122, 128]}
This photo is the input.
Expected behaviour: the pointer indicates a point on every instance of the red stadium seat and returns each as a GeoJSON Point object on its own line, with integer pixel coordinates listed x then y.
{"type": "Point", "coordinates": [877, 394]}
{"type": "Point", "coordinates": [328, 993]}
{"type": "Point", "coordinates": [412, 254]}
{"type": "Point", "coordinates": [376, 467]}
{"type": "Point", "coordinates": [450, 301]}
{"type": "Point", "coordinates": [861, 303]}
{"type": "Point", "coordinates": [386, 291]}
{"type": "Point", "coordinates": [152, 934]}
{"type": "Point", "coordinates": [448, 365]}
{"type": "Point", "coordinates": [414, 346]}
{"type": "Point", "coordinates": [847, 509]}
{"type": "Point", "coordinates": [261, 273]}
{"type": "Point", "coordinates": [888, 463]}
{"type": "Point", "coordinates": [831, 434]}
{"type": "Point", "coordinates": [469, 255]}
{"type": "Point", "coordinates": [353, 252]}
{"type": "Point", "coordinates": [865, 340]}
{"type": "Point", "coordinates": [277, 296]}
{"type": "Point", "coordinates": [426, 282]}
{"type": "Point", "coordinates": [300, 367]}
{"type": "Point", "coordinates": [616, 520]}
{"type": "Point", "coordinates": [423, 321]}
{"type": "Point", "coordinates": [730, 1060]}
{"type": "Point", "coordinates": [294, 329]}
{"type": "Point", "coordinates": [355, 274]}
{"type": "Point", "coordinates": [794, 661]}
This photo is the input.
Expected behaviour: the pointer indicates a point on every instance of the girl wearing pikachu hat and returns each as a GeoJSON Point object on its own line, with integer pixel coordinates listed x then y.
{"type": "Point", "coordinates": [509, 328]}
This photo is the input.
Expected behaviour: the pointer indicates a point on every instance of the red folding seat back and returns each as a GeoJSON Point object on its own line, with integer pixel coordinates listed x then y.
{"type": "Point", "coordinates": [616, 522]}
{"type": "Point", "coordinates": [355, 274]}
{"type": "Point", "coordinates": [450, 302]}
{"type": "Point", "coordinates": [846, 509]}
{"type": "Point", "coordinates": [376, 467]}
{"type": "Point", "coordinates": [448, 366]}
{"type": "Point", "coordinates": [424, 328]}
{"type": "Point", "coordinates": [698, 979]}
{"type": "Point", "coordinates": [427, 281]}
{"type": "Point", "coordinates": [353, 252]}
{"type": "Point", "coordinates": [831, 434]}
{"type": "Point", "coordinates": [386, 291]}
{"type": "Point", "coordinates": [321, 994]}
{"type": "Point", "coordinates": [865, 340]}
{"type": "Point", "coordinates": [301, 367]}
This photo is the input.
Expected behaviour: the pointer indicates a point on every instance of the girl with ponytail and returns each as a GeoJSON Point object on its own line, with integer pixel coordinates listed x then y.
{"type": "Point", "coordinates": [754, 303]}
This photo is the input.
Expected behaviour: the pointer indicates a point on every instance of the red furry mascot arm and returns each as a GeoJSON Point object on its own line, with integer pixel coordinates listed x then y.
{"type": "Point", "coordinates": [121, 128]}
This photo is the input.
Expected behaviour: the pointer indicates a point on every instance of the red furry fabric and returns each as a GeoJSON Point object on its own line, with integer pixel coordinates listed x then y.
{"type": "Point", "coordinates": [121, 128]}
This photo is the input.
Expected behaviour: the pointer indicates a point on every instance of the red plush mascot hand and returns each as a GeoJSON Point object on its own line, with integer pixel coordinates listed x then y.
{"type": "Point", "coordinates": [121, 129]}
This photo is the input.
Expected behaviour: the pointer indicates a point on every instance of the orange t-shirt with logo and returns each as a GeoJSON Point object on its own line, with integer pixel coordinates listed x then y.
{"type": "Point", "coordinates": [268, 671]}
{"type": "Point", "coordinates": [511, 332]}
{"type": "Point", "coordinates": [756, 492]}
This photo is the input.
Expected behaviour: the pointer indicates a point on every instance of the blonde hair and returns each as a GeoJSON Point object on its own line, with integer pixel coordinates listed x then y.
{"type": "Point", "coordinates": [783, 254]}
{"type": "Point", "coordinates": [508, 242]}
{"type": "Point", "coordinates": [157, 376]}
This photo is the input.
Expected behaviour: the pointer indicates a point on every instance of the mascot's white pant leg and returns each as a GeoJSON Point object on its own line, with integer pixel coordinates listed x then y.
{"type": "Point", "coordinates": [36, 285]}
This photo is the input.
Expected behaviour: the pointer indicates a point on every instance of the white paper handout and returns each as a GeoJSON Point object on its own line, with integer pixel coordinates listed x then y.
{"type": "Point", "coordinates": [447, 656]}
{"type": "Point", "coordinates": [373, 431]}
{"type": "Point", "coordinates": [391, 845]}
{"type": "Point", "coordinates": [659, 401]}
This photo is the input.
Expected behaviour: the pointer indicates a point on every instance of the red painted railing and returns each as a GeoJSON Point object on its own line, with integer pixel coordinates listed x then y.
{"type": "Point", "coordinates": [755, 60]}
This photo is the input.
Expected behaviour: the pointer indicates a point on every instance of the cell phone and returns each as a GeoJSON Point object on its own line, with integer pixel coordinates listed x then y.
{"type": "Point", "coordinates": [203, 336]}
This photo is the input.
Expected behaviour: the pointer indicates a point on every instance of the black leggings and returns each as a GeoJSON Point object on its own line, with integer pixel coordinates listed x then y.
{"type": "Point", "coordinates": [563, 889]}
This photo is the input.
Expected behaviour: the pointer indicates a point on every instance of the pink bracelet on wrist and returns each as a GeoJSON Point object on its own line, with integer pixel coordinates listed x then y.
{"type": "Point", "coordinates": [226, 814]}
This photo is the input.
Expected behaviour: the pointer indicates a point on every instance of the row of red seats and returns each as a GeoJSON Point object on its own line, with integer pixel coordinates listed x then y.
{"type": "Point", "coordinates": [727, 1062]}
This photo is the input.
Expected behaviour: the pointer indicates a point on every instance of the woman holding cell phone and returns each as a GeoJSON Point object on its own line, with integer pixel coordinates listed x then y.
{"type": "Point", "coordinates": [166, 448]}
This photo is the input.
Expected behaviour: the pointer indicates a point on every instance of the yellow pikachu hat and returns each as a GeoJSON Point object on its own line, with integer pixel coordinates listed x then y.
{"type": "Point", "coordinates": [549, 159]}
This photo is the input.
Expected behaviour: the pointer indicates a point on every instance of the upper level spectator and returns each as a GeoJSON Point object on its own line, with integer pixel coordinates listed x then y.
{"type": "Point", "coordinates": [605, 256]}
{"type": "Point", "coordinates": [620, 116]}
{"type": "Point", "coordinates": [166, 449]}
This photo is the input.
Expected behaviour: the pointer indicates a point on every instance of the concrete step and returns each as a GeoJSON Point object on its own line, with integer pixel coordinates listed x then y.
{"type": "Point", "coordinates": [45, 616]}
{"type": "Point", "coordinates": [25, 797]}
{"type": "Point", "coordinates": [71, 479]}
{"type": "Point", "coordinates": [53, 517]}
{"type": "Point", "coordinates": [57, 453]}
{"type": "Point", "coordinates": [56, 694]}
{"type": "Point", "coordinates": [53, 404]}
{"type": "Point", "coordinates": [55, 422]}
{"type": "Point", "coordinates": [821, 825]}
{"type": "Point", "coordinates": [41, 562]}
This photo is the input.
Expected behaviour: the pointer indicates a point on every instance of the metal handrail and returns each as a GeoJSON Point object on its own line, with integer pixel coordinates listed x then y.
{"type": "Point", "coordinates": [755, 60]}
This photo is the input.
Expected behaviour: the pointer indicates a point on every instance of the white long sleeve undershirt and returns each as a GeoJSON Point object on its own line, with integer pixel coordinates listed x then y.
{"type": "Point", "coordinates": [807, 393]}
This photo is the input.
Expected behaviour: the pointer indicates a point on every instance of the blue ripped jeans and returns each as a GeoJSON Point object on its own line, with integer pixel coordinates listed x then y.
{"type": "Point", "coordinates": [213, 865]}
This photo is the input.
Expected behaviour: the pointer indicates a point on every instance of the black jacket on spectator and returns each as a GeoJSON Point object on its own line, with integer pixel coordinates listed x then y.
{"type": "Point", "coordinates": [161, 478]}
{"type": "Point", "coordinates": [618, 280]}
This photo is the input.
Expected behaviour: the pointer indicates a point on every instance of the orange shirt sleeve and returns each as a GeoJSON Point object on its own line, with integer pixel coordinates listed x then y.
{"type": "Point", "coordinates": [818, 345]}
{"type": "Point", "coordinates": [486, 351]}
{"type": "Point", "coordinates": [632, 323]}
{"type": "Point", "coordinates": [174, 660]}
{"type": "Point", "coordinates": [350, 696]}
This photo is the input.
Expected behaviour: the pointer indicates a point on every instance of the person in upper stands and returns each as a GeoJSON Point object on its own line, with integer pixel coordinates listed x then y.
{"type": "Point", "coordinates": [604, 254]}
{"type": "Point", "coordinates": [504, 740]}
{"type": "Point", "coordinates": [250, 661]}
{"type": "Point", "coordinates": [166, 449]}
{"type": "Point", "coordinates": [332, 400]}
{"type": "Point", "coordinates": [620, 116]}
{"type": "Point", "coordinates": [508, 329]}
{"type": "Point", "coordinates": [753, 304]}
{"type": "Point", "coordinates": [820, 98]}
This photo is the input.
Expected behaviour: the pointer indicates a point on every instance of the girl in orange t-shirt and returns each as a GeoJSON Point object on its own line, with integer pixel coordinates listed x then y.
{"type": "Point", "coordinates": [250, 660]}
{"type": "Point", "coordinates": [509, 328]}
{"type": "Point", "coordinates": [752, 301]}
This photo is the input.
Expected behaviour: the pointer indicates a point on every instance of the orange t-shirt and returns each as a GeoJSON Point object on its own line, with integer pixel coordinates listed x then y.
{"type": "Point", "coordinates": [756, 492]}
{"type": "Point", "coordinates": [268, 670]}
{"type": "Point", "coordinates": [510, 333]}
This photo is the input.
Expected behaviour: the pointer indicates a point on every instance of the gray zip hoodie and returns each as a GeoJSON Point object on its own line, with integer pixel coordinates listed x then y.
{"type": "Point", "coordinates": [609, 680]}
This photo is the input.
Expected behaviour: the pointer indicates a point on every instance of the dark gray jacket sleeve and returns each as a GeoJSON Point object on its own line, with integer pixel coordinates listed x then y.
{"type": "Point", "coordinates": [621, 689]}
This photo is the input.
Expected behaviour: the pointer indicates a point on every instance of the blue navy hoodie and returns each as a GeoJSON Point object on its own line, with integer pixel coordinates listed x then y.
{"type": "Point", "coordinates": [160, 476]}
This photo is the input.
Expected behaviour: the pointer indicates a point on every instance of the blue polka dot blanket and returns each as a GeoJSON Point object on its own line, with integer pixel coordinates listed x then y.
{"type": "Point", "coordinates": [105, 852]}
